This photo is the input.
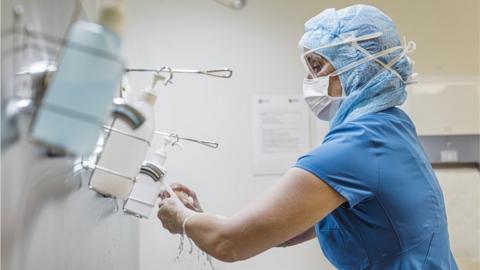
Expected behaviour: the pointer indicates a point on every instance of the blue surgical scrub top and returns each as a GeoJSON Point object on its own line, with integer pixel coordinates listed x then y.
{"type": "Point", "coordinates": [394, 217]}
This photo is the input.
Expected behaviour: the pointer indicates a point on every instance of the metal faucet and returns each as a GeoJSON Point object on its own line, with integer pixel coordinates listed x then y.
{"type": "Point", "coordinates": [39, 73]}
{"type": "Point", "coordinates": [9, 125]}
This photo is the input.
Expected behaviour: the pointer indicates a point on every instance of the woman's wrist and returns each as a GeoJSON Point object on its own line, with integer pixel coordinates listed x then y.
{"type": "Point", "coordinates": [187, 219]}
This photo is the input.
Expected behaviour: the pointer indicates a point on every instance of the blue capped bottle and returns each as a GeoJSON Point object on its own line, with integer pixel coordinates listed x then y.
{"type": "Point", "coordinates": [79, 99]}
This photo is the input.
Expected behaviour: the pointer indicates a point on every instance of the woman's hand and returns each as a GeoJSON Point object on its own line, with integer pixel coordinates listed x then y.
{"type": "Point", "coordinates": [172, 213]}
{"type": "Point", "coordinates": [186, 195]}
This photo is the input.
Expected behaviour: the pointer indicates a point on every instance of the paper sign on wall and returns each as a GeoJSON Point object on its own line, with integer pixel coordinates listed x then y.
{"type": "Point", "coordinates": [280, 133]}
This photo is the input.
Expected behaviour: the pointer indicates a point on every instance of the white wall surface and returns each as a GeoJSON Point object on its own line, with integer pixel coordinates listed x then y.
{"type": "Point", "coordinates": [462, 199]}
{"type": "Point", "coordinates": [260, 44]}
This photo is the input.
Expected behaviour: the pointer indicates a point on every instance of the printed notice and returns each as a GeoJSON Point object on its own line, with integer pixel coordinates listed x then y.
{"type": "Point", "coordinates": [280, 133]}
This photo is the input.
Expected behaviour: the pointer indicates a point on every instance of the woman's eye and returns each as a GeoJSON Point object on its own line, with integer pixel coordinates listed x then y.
{"type": "Point", "coordinates": [317, 66]}
{"type": "Point", "coordinates": [315, 63]}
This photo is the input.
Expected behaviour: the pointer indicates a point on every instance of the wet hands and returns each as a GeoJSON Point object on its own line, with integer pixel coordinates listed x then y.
{"type": "Point", "coordinates": [173, 212]}
{"type": "Point", "coordinates": [186, 195]}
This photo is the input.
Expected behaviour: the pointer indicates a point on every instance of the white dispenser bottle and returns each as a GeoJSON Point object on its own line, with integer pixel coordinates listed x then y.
{"type": "Point", "coordinates": [149, 183]}
{"type": "Point", "coordinates": [125, 151]}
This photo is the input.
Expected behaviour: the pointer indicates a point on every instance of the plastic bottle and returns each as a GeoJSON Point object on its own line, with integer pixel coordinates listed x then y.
{"type": "Point", "coordinates": [125, 150]}
{"type": "Point", "coordinates": [149, 183]}
{"type": "Point", "coordinates": [80, 94]}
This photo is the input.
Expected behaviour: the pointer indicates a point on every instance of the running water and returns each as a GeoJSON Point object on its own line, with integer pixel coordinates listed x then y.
{"type": "Point", "coordinates": [202, 257]}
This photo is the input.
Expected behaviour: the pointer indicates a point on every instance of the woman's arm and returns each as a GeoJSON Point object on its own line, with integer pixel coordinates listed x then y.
{"type": "Point", "coordinates": [287, 209]}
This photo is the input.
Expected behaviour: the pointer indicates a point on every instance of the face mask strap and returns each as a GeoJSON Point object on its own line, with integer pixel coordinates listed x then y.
{"type": "Point", "coordinates": [345, 40]}
{"type": "Point", "coordinates": [368, 58]}
{"type": "Point", "coordinates": [407, 48]}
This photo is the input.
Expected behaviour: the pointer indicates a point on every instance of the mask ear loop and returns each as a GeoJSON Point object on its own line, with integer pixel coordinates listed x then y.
{"type": "Point", "coordinates": [408, 48]}
{"type": "Point", "coordinates": [357, 46]}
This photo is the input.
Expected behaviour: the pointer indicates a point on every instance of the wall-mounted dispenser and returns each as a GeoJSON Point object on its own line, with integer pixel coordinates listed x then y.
{"type": "Point", "coordinates": [79, 97]}
{"type": "Point", "coordinates": [446, 112]}
{"type": "Point", "coordinates": [124, 150]}
{"type": "Point", "coordinates": [150, 181]}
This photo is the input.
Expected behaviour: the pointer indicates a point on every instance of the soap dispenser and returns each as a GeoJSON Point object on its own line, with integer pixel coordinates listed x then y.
{"type": "Point", "coordinates": [79, 97]}
{"type": "Point", "coordinates": [125, 150]}
{"type": "Point", "coordinates": [149, 183]}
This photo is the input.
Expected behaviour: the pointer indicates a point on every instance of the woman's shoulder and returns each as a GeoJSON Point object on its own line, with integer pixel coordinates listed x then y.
{"type": "Point", "coordinates": [374, 125]}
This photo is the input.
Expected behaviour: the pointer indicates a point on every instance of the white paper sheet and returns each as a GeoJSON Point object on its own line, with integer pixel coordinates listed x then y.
{"type": "Point", "coordinates": [280, 133]}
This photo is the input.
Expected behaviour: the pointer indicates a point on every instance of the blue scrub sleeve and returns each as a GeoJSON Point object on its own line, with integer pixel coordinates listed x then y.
{"type": "Point", "coordinates": [346, 162]}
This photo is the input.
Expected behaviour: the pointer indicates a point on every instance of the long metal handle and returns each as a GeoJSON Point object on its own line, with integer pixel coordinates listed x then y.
{"type": "Point", "coordinates": [204, 143]}
{"type": "Point", "coordinates": [178, 138]}
{"type": "Point", "coordinates": [219, 73]}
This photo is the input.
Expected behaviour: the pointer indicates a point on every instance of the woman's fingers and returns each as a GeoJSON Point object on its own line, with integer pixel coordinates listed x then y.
{"type": "Point", "coordinates": [177, 187]}
{"type": "Point", "coordinates": [164, 195]}
{"type": "Point", "coordinates": [187, 196]}
{"type": "Point", "coordinates": [172, 213]}
{"type": "Point", "coordinates": [186, 200]}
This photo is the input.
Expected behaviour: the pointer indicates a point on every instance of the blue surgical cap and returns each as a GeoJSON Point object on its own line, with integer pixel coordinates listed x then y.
{"type": "Point", "coordinates": [369, 87]}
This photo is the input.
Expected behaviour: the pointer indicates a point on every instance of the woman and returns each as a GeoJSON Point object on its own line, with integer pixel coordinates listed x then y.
{"type": "Point", "coordinates": [368, 192]}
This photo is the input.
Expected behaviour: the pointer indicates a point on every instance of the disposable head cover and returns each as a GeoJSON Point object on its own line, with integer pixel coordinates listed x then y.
{"type": "Point", "coordinates": [363, 44]}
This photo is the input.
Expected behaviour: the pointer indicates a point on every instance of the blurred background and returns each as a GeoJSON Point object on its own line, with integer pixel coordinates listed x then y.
{"type": "Point", "coordinates": [260, 44]}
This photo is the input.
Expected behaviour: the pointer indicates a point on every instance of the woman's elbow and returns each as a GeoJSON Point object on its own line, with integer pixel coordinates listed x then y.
{"type": "Point", "coordinates": [229, 244]}
{"type": "Point", "coordinates": [225, 257]}
{"type": "Point", "coordinates": [227, 249]}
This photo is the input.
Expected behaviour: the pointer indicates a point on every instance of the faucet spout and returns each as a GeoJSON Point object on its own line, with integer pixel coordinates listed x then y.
{"type": "Point", "coordinates": [10, 112]}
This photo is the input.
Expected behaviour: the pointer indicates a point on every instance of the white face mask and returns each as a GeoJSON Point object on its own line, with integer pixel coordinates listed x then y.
{"type": "Point", "coordinates": [315, 92]}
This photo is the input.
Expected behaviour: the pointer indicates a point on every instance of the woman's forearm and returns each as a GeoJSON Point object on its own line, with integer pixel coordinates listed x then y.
{"type": "Point", "coordinates": [211, 233]}
{"type": "Point", "coordinates": [229, 239]}
{"type": "Point", "coordinates": [284, 211]}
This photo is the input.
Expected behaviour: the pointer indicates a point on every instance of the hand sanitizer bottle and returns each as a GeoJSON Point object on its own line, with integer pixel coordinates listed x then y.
{"type": "Point", "coordinates": [80, 95]}
{"type": "Point", "coordinates": [148, 184]}
{"type": "Point", "coordinates": [124, 151]}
